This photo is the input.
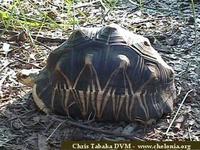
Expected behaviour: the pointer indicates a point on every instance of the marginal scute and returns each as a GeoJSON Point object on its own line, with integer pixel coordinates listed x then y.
{"type": "Point", "coordinates": [109, 74]}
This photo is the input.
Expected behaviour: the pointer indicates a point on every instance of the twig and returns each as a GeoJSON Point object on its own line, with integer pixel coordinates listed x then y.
{"type": "Point", "coordinates": [27, 125]}
{"type": "Point", "coordinates": [136, 4]}
{"type": "Point", "coordinates": [21, 115]}
{"type": "Point", "coordinates": [86, 4]}
{"type": "Point", "coordinates": [38, 38]}
{"type": "Point", "coordinates": [178, 111]}
{"type": "Point", "coordinates": [6, 66]}
{"type": "Point", "coordinates": [195, 24]}
{"type": "Point", "coordinates": [4, 103]}
{"type": "Point", "coordinates": [38, 67]}
{"type": "Point", "coordinates": [163, 5]}
{"type": "Point", "coordinates": [118, 134]}
{"type": "Point", "coordinates": [189, 133]}
{"type": "Point", "coordinates": [78, 5]}
{"type": "Point", "coordinates": [48, 126]}
{"type": "Point", "coordinates": [147, 20]}
{"type": "Point", "coordinates": [40, 43]}
{"type": "Point", "coordinates": [103, 131]}
{"type": "Point", "coordinates": [1, 83]}
{"type": "Point", "coordinates": [55, 130]}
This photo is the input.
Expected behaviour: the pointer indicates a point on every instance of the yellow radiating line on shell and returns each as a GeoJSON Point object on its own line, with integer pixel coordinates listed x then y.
{"type": "Point", "coordinates": [93, 102]}
{"type": "Point", "coordinates": [129, 82]}
{"type": "Point", "coordinates": [113, 102]}
{"type": "Point", "coordinates": [127, 102]}
{"type": "Point", "coordinates": [130, 106]}
{"type": "Point", "coordinates": [145, 104]}
{"type": "Point", "coordinates": [138, 95]}
{"type": "Point", "coordinates": [104, 101]}
{"type": "Point", "coordinates": [62, 95]}
{"type": "Point", "coordinates": [65, 77]}
{"type": "Point", "coordinates": [114, 73]}
{"type": "Point", "coordinates": [66, 99]}
{"type": "Point", "coordinates": [78, 77]}
{"type": "Point", "coordinates": [88, 95]}
{"type": "Point", "coordinates": [39, 102]}
{"type": "Point", "coordinates": [99, 103]}
{"type": "Point", "coordinates": [121, 101]}
{"type": "Point", "coordinates": [82, 99]}
{"type": "Point", "coordinates": [117, 99]}
{"type": "Point", "coordinates": [53, 96]}
{"type": "Point", "coordinates": [96, 77]}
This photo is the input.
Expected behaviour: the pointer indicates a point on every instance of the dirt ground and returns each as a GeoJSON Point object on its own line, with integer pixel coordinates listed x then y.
{"type": "Point", "coordinates": [173, 31]}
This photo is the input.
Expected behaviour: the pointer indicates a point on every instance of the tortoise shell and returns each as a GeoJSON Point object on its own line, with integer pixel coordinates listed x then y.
{"type": "Point", "coordinates": [106, 73]}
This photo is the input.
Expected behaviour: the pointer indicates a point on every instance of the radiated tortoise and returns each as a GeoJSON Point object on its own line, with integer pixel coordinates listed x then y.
{"type": "Point", "coordinates": [106, 73]}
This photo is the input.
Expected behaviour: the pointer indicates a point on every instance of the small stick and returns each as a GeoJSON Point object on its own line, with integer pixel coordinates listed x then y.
{"type": "Point", "coordinates": [40, 43]}
{"type": "Point", "coordinates": [86, 4]}
{"type": "Point", "coordinates": [7, 65]}
{"type": "Point", "coordinates": [178, 111]}
{"type": "Point", "coordinates": [131, 137]}
{"type": "Point", "coordinates": [33, 65]}
{"type": "Point", "coordinates": [76, 124]}
{"type": "Point", "coordinates": [189, 133]}
{"type": "Point", "coordinates": [55, 130]}
{"type": "Point", "coordinates": [35, 37]}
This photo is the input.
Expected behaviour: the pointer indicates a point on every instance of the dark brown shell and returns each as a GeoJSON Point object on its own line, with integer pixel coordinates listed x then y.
{"type": "Point", "coordinates": [106, 73]}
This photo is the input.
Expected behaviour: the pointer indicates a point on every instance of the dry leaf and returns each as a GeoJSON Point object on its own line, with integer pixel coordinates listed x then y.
{"type": "Point", "coordinates": [42, 144]}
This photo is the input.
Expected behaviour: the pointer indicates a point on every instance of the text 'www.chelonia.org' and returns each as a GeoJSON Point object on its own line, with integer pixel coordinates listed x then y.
{"type": "Point", "coordinates": [129, 145]}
